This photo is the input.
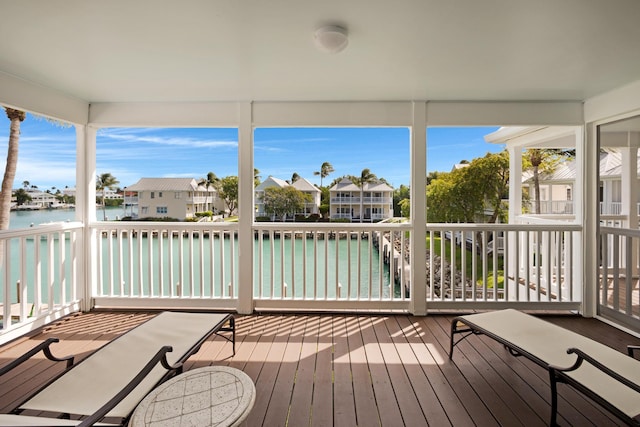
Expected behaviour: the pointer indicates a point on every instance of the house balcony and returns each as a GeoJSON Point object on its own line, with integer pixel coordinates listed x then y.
{"type": "Point", "coordinates": [553, 207]}
{"type": "Point", "coordinates": [345, 200]}
{"type": "Point", "coordinates": [377, 200]}
{"type": "Point", "coordinates": [614, 208]}
{"type": "Point", "coordinates": [345, 369]}
{"type": "Point", "coordinates": [199, 199]}
{"type": "Point", "coordinates": [365, 200]}
{"type": "Point", "coordinates": [566, 207]}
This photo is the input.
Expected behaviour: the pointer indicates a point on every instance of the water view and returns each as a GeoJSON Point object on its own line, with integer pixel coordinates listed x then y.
{"type": "Point", "coordinates": [194, 265]}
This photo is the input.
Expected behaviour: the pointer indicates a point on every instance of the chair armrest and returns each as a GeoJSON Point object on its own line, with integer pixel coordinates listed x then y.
{"type": "Point", "coordinates": [631, 349]}
{"type": "Point", "coordinates": [44, 346]}
{"type": "Point", "coordinates": [583, 357]}
{"type": "Point", "coordinates": [160, 356]}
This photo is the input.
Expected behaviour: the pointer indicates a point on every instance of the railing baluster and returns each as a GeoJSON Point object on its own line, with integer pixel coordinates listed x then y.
{"type": "Point", "coordinates": [23, 287]}
{"type": "Point", "coordinates": [370, 239]}
{"type": "Point", "coordinates": [37, 291]}
{"type": "Point", "coordinates": [192, 289]}
{"type": "Point", "coordinates": [62, 260]}
{"type": "Point", "coordinates": [337, 261]}
{"type": "Point", "coordinates": [315, 265]}
{"type": "Point", "coordinates": [181, 278]}
{"type": "Point", "coordinates": [120, 233]}
{"type": "Point", "coordinates": [170, 265]}
{"type": "Point", "coordinates": [273, 263]}
{"type": "Point", "coordinates": [232, 261]}
{"type": "Point", "coordinates": [303, 239]}
{"type": "Point", "coordinates": [50, 273]}
{"type": "Point", "coordinates": [222, 271]}
{"type": "Point", "coordinates": [293, 265]}
{"type": "Point", "coordinates": [160, 259]}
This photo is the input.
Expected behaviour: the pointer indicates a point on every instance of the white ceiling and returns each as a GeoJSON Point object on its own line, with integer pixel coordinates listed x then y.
{"type": "Point", "coordinates": [228, 50]}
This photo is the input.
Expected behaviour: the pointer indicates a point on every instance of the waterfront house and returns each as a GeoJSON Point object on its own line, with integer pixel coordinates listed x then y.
{"type": "Point", "coordinates": [270, 182]}
{"type": "Point", "coordinates": [301, 184]}
{"type": "Point", "coordinates": [40, 199]}
{"type": "Point", "coordinates": [178, 198]}
{"type": "Point", "coordinates": [373, 202]}
{"type": "Point", "coordinates": [313, 193]}
{"type": "Point", "coordinates": [415, 65]}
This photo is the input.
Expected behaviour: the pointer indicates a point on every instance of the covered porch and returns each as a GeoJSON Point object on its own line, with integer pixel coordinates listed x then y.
{"type": "Point", "coordinates": [345, 370]}
{"type": "Point", "coordinates": [413, 65]}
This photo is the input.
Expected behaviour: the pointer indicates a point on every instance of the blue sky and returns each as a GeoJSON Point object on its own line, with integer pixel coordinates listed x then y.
{"type": "Point", "coordinates": [47, 152]}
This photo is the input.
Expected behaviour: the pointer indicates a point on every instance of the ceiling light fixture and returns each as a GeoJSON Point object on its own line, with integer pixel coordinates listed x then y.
{"type": "Point", "coordinates": [331, 39]}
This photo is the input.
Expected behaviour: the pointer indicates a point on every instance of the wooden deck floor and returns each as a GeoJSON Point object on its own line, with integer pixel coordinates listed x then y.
{"type": "Point", "coordinates": [349, 370]}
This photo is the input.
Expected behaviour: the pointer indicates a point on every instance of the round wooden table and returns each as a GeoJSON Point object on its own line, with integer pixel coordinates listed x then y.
{"type": "Point", "coordinates": [211, 396]}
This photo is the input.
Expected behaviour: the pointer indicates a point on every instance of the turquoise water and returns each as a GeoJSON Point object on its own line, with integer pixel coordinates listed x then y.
{"type": "Point", "coordinates": [190, 271]}
{"type": "Point", "coordinates": [24, 219]}
{"type": "Point", "coordinates": [139, 275]}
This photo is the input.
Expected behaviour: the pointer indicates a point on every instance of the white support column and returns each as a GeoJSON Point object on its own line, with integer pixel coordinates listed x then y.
{"type": "Point", "coordinates": [587, 207]}
{"type": "Point", "coordinates": [418, 305]}
{"type": "Point", "coordinates": [86, 210]}
{"type": "Point", "coordinates": [629, 157]}
{"type": "Point", "coordinates": [245, 209]}
{"type": "Point", "coordinates": [515, 183]}
{"type": "Point", "coordinates": [515, 210]}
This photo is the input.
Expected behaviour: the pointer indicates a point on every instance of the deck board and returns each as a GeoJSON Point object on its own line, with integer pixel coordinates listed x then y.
{"type": "Point", "coordinates": [347, 370]}
{"type": "Point", "coordinates": [344, 408]}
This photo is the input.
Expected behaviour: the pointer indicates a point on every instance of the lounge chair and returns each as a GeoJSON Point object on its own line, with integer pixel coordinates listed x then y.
{"type": "Point", "coordinates": [115, 378]}
{"type": "Point", "coordinates": [607, 376]}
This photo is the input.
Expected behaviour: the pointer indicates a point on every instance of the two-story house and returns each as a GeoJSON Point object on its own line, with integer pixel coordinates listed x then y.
{"type": "Point", "coordinates": [372, 202]}
{"type": "Point", "coordinates": [179, 198]}
{"type": "Point", "coordinates": [301, 184]}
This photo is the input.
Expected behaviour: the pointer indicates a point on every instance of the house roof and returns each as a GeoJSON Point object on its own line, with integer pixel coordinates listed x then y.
{"type": "Point", "coordinates": [304, 184]}
{"type": "Point", "coordinates": [166, 184]}
{"type": "Point", "coordinates": [345, 184]}
{"type": "Point", "coordinates": [272, 181]}
{"type": "Point", "coordinates": [610, 168]}
{"type": "Point", "coordinates": [377, 186]}
{"type": "Point", "coordinates": [222, 50]}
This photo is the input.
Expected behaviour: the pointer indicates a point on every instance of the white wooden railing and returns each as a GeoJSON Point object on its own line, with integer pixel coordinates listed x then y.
{"type": "Point", "coordinates": [554, 206]}
{"type": "Point", "coordinates": [331, 266]}
{"type": "Point", "coordinates": [296, 266]}
{"type": "Point", "coordinates": [619, 293]}
{"type": "Point", "coordinates": [39, 269]}
{"type": "Point", "coordinates": [528, 264]}
{"type": "Point", "coordinates": [153, 264]}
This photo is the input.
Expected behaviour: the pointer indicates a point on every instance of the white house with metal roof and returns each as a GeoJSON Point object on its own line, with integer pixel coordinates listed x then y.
{"type": "Point", "coordinates": [557, 188]}
{"type": "Point", "coordinates": [314, 193]}
{"type": "Point", "coordinates": [179, 198]}
{"type": "Point", "coordinates": [301, 184]}
{"type": "Point", "coordinates": [374, 200]}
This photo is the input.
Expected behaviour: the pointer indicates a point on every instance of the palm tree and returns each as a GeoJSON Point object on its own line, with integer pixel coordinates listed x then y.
{"type": "Point", "coordinates": [103, 182]}
{"type": "Point", "coordinates": [210, 181]}
{"type": "Point", "coordinates": [324, 171]}
{"type": "Point", "coordinates": [544, 160]}
{"type": "Point", "coordinates": [256, 177]}
{"type": "Point", "coordinates": [26, 184]}
{"type": "Point", "coordinates": [16, 117]}
{"type": "Point", "coordinates": [294, 177]}
{"type": "Point", "coordinates": [366, 176]}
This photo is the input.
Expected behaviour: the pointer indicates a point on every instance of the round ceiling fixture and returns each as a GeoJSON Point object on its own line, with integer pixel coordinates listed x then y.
{"type": "Point", "coordinates": [331, 39]}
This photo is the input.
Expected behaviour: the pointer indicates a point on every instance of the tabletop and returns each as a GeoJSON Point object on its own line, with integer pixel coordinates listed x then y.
{"type": "Point", "coordinates": [211, 396]}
